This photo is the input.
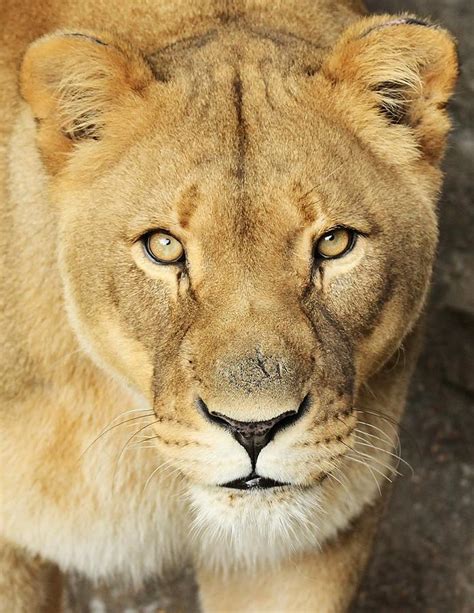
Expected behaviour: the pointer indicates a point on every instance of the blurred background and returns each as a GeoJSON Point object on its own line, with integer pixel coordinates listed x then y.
{"type": "Point", "coordinates": [423, 560]}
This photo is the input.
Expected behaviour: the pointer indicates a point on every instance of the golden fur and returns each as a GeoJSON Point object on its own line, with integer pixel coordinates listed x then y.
{"type": "Point", "coordinates": [247, 129]}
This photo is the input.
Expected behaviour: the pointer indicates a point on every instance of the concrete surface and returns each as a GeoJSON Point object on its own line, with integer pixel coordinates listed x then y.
{"type": "Point", "coordinates": [423, 560]}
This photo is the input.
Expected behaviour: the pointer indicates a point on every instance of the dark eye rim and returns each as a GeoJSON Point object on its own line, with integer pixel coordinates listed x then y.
{"type": "Point", "coordinates": [354, 234]}
{"type": "Point", "coordinates": [145, 240]}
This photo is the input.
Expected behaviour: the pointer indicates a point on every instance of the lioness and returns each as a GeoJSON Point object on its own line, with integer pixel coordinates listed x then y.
{"type": "Point", "coordinates": [218, 229]}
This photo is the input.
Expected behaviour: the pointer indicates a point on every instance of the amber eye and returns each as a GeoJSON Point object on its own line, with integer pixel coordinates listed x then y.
{"type": "Point", "coordinates": [335, 243]}
{"type": "Point", "coordinates": [163, 248]}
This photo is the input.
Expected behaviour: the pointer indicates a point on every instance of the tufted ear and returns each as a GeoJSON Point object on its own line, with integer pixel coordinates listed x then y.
{"type": "Point", "coordinates": [73, 83]}
{"type": "Point", "coordinates": [402, 67]}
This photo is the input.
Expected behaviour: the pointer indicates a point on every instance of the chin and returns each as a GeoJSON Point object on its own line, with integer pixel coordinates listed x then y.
{"type": "Point", "coordinates": [247, 529]}
{"type": "Point", "coordinates": [235, 528]}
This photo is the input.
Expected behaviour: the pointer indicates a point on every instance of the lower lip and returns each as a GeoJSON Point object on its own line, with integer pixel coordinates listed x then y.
{"type": "Point", "coordinates": [255, 483]}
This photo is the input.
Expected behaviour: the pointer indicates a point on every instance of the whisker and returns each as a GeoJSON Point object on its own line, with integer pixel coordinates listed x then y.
{"type": "Point", "coordinates": [396, 424]}
{"type": "Point", "coordinates": [335, 467]}
{"type": "Point", "coordinates": [138, 447]}
{"type": "Point", "coordinates": [386, 466]}
{"type": "Point", "coordinates": [387, 438]}
{"type": "Point", "coordinates": [122, 451]}
{"type": "Point", "coordinates": [399, 458]}
{"type": "Point", "coordinates": [149, 438]}
{"type": "Point", "coordinates": [165, 466]}
{"type": "Point", "coordinates": [108, 429]}
{"type": "Point", "coordinates": [370, 471]}
{"type": "Point", "coordinates": [343, 485]}
{"type": "Point", "coordinates": [151, 477]}
{"type": "Point", "coordinates": [380, 414]}
{"type": "Point", "coordinates": [393, 429]}
{"type": "Point", "coordinates": [377, 438]}
{"type": "Point", "coordinates": [349, 457]}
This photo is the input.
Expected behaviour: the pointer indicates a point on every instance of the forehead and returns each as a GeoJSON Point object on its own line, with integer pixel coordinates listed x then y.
{"type": "Point", "coordinates": [239, 137]}
{"type": "Point", "coordinates": [240, 152]}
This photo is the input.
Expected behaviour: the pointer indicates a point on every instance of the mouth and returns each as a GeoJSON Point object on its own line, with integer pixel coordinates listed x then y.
{"type": "Point", "coordinates": [254, 482]}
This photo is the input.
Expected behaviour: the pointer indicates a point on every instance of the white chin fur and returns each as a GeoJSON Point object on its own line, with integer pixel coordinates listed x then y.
{"type": "Point", "coordinates": [249, 529]}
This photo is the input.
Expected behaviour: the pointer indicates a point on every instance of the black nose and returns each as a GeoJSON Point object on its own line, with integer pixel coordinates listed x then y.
{"type": "Point", "coordinates": [254, 435]}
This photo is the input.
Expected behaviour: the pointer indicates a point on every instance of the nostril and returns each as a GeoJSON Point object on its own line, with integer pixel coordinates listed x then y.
{"type": "Point", "coordinates": [213, 416]}
{"type": "Point", "coordinates": [254, 435]}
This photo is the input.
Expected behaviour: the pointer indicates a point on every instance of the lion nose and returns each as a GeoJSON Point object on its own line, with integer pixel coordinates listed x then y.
{"type": "Point", "coordinates": [254, 435]}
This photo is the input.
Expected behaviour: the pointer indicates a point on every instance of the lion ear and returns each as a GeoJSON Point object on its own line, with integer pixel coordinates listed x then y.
{"type": "Point", "coordinates": [73, 82]}
{"type": "Point", "coordinates": [405, 69]}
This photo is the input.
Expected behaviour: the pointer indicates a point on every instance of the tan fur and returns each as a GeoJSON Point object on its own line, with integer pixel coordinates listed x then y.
{"type": "Point", "coordinates": [27, 585]}
{"type": "Point", "coordinates": [246, 129]}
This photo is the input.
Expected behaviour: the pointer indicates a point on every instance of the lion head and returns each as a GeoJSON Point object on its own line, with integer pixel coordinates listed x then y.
{"type": "Point", "coordinates": [246, 231]}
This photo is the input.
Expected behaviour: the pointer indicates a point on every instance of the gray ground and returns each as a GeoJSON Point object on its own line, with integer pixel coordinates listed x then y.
{"type": "Point", "coordinates": [423, 560]}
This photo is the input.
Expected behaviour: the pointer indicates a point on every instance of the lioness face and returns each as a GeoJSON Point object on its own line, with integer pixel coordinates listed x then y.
{"type": "Point", "coordinates": [246, 245]}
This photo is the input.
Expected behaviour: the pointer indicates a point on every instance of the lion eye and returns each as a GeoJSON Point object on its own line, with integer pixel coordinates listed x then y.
{"type": "Point", "coordinates": [163, 248]}
{"type": "Point", "coordinates": [335, 243]}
